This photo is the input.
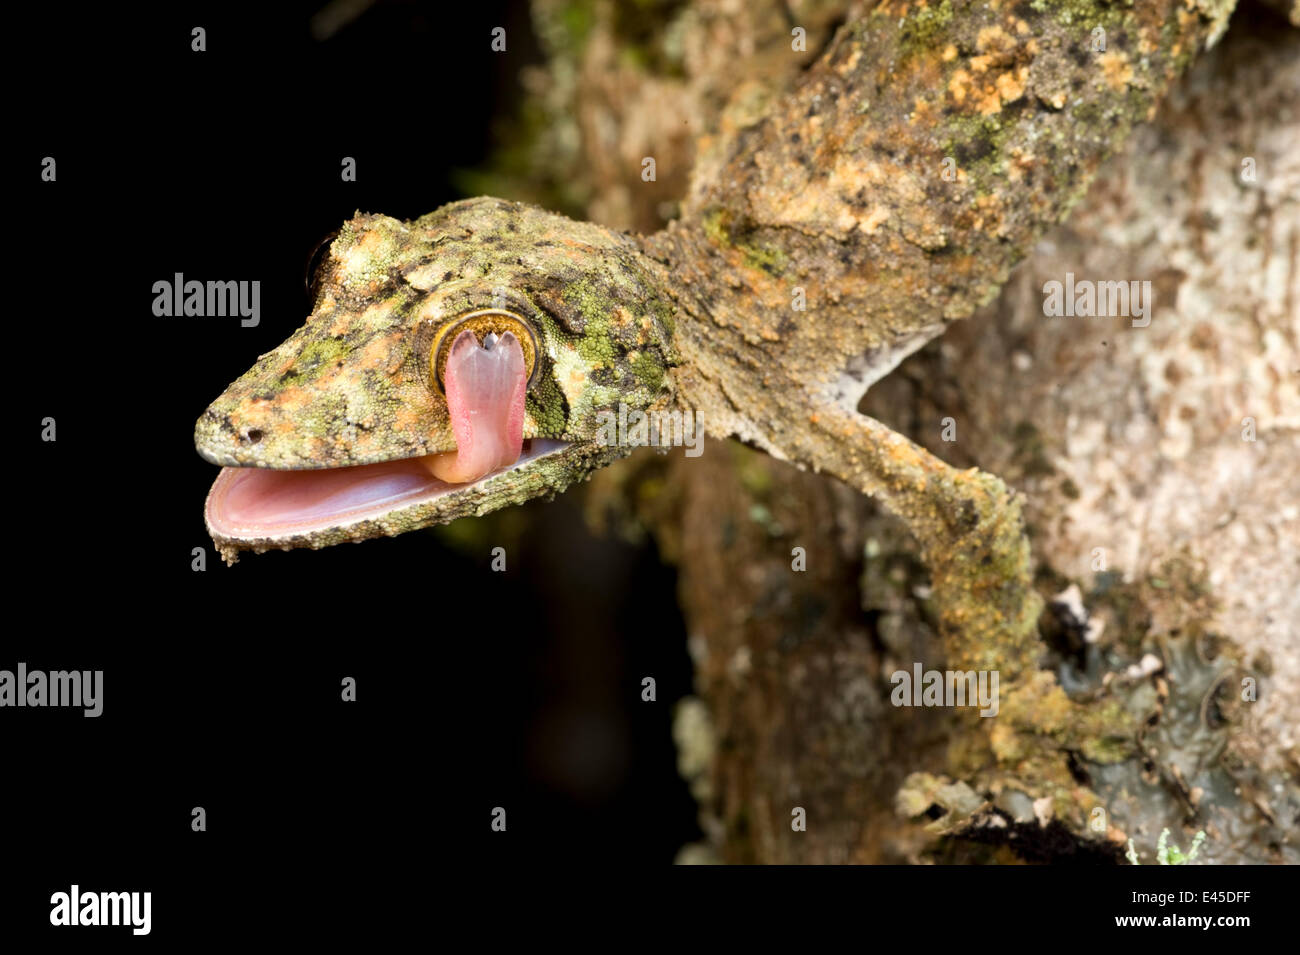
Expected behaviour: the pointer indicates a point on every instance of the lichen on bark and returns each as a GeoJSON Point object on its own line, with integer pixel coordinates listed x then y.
{"type": "Point", "coordinates": [829, 180]}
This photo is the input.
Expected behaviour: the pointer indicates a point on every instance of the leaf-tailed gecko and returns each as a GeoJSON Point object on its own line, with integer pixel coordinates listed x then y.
{"type": "Point", "coordinates": [457, 363]}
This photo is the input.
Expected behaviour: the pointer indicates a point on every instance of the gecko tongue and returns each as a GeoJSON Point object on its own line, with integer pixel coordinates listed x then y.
{"type": "Point", "coordinates": [485, 396]}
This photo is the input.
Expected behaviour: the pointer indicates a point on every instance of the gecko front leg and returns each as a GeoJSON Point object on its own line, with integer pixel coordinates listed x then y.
{"type": "Point", "coordinates": [967, 523]}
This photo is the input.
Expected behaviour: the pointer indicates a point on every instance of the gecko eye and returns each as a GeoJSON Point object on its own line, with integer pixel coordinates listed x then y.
{"type": "Point", "coordinates": [483, 323]}
{"type": "Point", "coordinates": [311, 276]}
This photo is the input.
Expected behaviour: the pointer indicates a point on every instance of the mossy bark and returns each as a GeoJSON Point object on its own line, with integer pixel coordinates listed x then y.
{"type": "Point", "coordinates": [793, 665]}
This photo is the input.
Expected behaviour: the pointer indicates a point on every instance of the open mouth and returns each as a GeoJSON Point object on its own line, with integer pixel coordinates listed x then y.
{"type": "Point", "coordinates": [261, 503]}
{"type": "Point", "coordinates": [485, 383]}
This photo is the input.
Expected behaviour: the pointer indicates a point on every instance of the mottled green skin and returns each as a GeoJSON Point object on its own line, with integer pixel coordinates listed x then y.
{"type": "Point", "coordinates": [351, 386]}
{"type": "Point", "coordinates": [833, 189]}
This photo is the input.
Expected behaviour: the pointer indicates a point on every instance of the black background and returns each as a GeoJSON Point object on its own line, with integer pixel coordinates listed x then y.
{"type": "Point", "coordinates": [222, 688]}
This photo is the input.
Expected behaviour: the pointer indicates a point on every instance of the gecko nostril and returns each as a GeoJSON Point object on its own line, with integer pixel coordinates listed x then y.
{"type": "Point", "coordinates": [253, 436]}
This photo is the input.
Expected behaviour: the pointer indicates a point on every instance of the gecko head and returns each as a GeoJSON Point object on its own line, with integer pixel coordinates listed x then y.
{"type": "Point", "coordinates": [450, 366]}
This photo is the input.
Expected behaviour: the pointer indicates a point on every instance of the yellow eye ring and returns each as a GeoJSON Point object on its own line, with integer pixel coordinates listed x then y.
{"type": "Point", "coordinates": [482, 323]}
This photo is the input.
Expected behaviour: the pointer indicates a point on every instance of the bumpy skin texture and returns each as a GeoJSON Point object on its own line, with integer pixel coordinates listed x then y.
{"type": "Point", "coordinates": [807, 648]}
{"type": "Point", "coordinates": [834, 189]}
{"type": "Point", "coordinates": [837, 189]}
{"type": "Point", "coordinates": [352, 385]}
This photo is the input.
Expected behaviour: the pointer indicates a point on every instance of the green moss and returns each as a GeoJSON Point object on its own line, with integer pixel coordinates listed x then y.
{"type": "Point", "coordinates": [1087, 114]}
{"type": "Point", "coordinates": [1105, 733]}
{"type": "Point", "coordinates": [576, 20]}
{"type": "Point", "coordinates": [769, 259]}
{"type": "Point", "coordinates": [663, 312]}
{"type": "Point", "coordinates": [923, 29]}
{"type": "Point", "coordinates": [594, 344]}
{"type": "Point", "coordinates": [648, 368]}
{"type": "Point", "coordinates": [717, 228]}
{"type": "Point", "coordinates": [1085, 13]}
{"type": "Point", "coordinates": [545, 404]}
{"type": "Point", "coordinates": [317, 357]}
{"type": "Point", "coordinates": [978, 143]}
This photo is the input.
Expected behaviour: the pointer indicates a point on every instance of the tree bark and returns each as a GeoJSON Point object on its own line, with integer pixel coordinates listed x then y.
{"type": "Point", "coordinates": [793, 667]}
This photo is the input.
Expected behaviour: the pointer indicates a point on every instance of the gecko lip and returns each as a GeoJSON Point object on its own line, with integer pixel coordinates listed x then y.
{"type": "Point", "coordinates": [260, 503]}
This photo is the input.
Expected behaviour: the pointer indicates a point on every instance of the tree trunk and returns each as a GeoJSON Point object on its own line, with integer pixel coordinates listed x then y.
{"type": "Point", "coordinates": [1127, 443]}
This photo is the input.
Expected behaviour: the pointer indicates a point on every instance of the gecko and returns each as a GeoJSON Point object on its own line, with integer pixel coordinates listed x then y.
{"type": "Point", "coordinates": [459, 363]}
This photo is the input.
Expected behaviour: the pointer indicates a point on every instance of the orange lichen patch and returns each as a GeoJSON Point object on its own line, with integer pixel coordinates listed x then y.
{"type": "Point", "coordinates": [802, 205]}
{"type": "Point", "coordinates": [848, 201]}
{"type": "Point", "coordinates": [874, 220]}
{"type": "Point", "coordinates": [290, 401]}
{"type": "Point", "coordinates": [990, 213]}
{"type": "Point", "coordinates": [959, 86]}
{"type": "Point", "coordinates": [1020, 162]}
{"type": "Point", "coordinates": [576, 249]}
{"type": "Point", "coordinates": [924, 113]}
{"type": "Point", "coordinates": [620, 317]}
{"type": "Point", "coordinates": [949, 53]}
{"type": "Point", "coordinates": [370, 242]}
{"type": "Point", "coordinates": [994, 39]}
{"type": "Point", "coordinates": [375, 315]}
{"type": "Point", "coordinates": [1011, 84]}
{"type": "Point", "coordinates": [575, 380]}
{"type": "Point", "coordinates": [1006, 87]}
{"type": "Point", "coordinates": [988, 101]}
{"type": "Point", "coordinates": [846, 222]}
{"type": "Point", "coordinates": [1116, 69]}
{"type": "Point", "coordinates": [768, 292]}
{"type": "Point", "coordinates": [406, 418]}
{"type": "Point", "coordinates": [376, 353]}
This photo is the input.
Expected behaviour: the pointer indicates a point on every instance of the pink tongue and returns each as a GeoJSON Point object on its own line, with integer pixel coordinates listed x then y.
{"type": "Point", "coordinates": [485, 395]}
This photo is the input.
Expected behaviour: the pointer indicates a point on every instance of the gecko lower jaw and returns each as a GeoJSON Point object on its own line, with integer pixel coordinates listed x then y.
{"type": "Point", "coordinates": [256, 504]}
